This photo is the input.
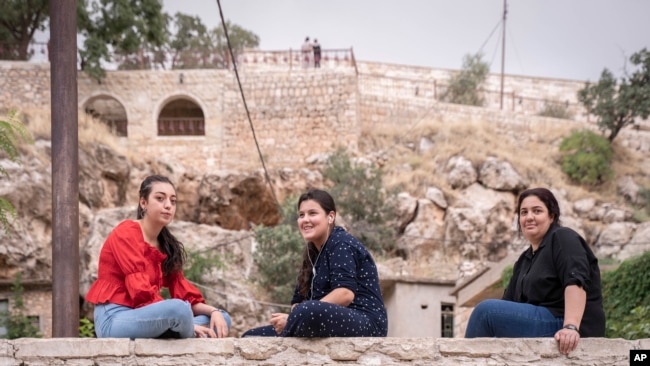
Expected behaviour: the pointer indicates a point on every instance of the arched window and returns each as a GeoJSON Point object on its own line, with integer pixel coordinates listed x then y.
{"type": "Point", "coordinates": [181, 117]}
{"type": "Point", "coordinates": [110, 111]}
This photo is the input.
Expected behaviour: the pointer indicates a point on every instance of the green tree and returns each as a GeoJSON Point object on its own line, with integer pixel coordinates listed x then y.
{"type": "Point", "coordinates": [18, 324]}
{"type": "Point", "coordinates": [19, 20]}
{"type": "Point", "coordinates": [464, 87]}
{"type": "Point", "coordinates": [12, 132]}
{"type": "Point", "coordinates": [626, 299]}
{"type": "Point", "coordinates": [240, 39]}
{"type": "Point", "coordinates": [617, 105]}
{"type": "Point", "coordinates": [360, 196]}
{"type": "Point", "coordinates": [193, 46]}
{"type": "Point", "coordinates": [278, 255]}
{"type": "Point", "coordinates": [122, 27]}
{"type": "Point", "coordinates": [586, 157]}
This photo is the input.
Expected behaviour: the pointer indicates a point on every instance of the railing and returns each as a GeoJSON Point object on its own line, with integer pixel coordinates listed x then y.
{"type": "Point", "coordinates": [297, 59]}
{"type": "Point", "coordinates": [433, 89]}
{"type": "Point", "coordinates": [181, 126]}
{"type": "Point", "coordinates": [150, 59]}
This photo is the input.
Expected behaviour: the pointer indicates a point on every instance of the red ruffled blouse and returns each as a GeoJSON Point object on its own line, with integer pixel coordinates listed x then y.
{"type": "Point", "coordinates": [130, 272]}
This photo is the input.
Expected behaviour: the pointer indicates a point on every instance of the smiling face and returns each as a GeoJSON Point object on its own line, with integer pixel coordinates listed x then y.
{"type": "Point", "coordinates": [160, 205]}
{"type": "Point", "coordinates": [314, 222]}
{"type": "Point", "coordinates": [534, 219]}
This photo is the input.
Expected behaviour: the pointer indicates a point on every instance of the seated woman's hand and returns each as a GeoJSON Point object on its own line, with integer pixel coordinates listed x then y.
{"type": "Point", "coordinates": [218, 323]}
{"type": "Point", "coordinates": [567, 340]}
{"type": "Point", "coordinates": [203, 332]}
{"type": "Point", "coordinates": [279, 321]}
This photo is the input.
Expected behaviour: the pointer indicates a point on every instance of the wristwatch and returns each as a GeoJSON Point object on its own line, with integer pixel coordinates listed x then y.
{"type": "Point", "coordinates": [572, 327]}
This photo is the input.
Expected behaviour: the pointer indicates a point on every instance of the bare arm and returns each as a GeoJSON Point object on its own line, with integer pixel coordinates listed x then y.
{"type": "Point", "coordinates": [575, 299]}
{"type": "Point", "coordinates": [217, 328]}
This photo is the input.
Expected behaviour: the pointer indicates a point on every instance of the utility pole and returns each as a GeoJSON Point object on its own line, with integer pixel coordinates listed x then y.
{"type": "Point", "coordinates": [65, 169]}
{"type": "Point", "coordinates": [503, 48]}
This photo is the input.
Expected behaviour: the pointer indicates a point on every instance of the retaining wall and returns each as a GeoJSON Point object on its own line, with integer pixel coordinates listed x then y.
{"type": "Point", "coordinates": [324, 351]}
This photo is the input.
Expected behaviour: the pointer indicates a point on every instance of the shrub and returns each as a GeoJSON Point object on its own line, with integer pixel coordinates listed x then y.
{"type": "Point", "coordinates": [626, 299]}
{"type": "Point", "coordinates": [586, 157]}
{"type": "Point", "coordinates": [199, 263]}
{"type": "Point", "coordinates": [360, 197]}
{"type": "Point", "coordinates": [278, 255]}
{"type": "Point", "coordinates": [555, 110]}
{"type": "Point", "coordinates": [506, 275]}
{"type": "Point", "coordinates": [86, 328]}
{"type": "Point", "coordinates": [18, 324]}
{"type": "Point", "coordinates": [12, 132]}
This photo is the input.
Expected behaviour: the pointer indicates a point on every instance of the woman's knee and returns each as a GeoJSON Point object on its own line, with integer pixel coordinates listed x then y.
{"type": "Point", "coordinates": [487, 306]}
{"type": "Point", "coordinates": [178, 309]}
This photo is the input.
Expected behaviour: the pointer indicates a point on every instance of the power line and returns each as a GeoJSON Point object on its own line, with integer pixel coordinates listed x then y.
{"type": "Point", "coordinates": [226, 296]}
{"type": "Point", "coordinates": [490, 36]}
{"type": "Point", "coordinates": [243, 97]}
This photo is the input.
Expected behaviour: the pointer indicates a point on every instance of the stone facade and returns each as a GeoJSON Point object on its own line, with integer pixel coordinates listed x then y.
{"type": "Point", "coordinates": [296, 113]}
{"type": "Point", "coordinates": [322, 351]}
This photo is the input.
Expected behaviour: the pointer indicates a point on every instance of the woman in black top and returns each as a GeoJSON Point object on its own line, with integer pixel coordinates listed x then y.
{"type": "Point", "coordinates": [337, 294]}
{"type": "Point", "coordinates": [555, 286]}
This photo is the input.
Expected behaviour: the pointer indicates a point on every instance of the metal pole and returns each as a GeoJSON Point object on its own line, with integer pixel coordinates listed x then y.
{"type": "Point", "coordinates": [65, 178]}
{"type": "Point", "coordinates": [503, 48]}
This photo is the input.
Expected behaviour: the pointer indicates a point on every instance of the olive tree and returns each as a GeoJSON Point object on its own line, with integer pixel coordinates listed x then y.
{"type": "Point", "coordinates": [619, 104]}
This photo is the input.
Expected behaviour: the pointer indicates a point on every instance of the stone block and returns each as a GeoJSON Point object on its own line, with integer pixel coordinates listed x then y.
{"type": "Point", "coordinates": [190, 346]}
{"type": "Point", "coordinates": [66, 347]}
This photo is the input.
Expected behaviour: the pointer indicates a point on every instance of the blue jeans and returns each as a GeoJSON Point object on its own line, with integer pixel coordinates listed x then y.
{"type": "Point", "coordinates": [501, 318]}
{"type": "Point", "coordinates": [171, 318]}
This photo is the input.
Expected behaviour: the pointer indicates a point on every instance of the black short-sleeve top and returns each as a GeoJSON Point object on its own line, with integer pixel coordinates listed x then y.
{"type": "Point", "coordinates": [562, 259]}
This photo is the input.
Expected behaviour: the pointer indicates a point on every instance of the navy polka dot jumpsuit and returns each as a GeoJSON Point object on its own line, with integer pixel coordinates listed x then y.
{"type": "Point", "coordinates": [342, 262]}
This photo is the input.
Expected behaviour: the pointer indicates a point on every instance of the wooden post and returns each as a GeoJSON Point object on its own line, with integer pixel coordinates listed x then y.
{"type": "Point", "coordinates": [65, 171]}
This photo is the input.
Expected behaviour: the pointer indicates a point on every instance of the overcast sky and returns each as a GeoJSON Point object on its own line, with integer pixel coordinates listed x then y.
{"type": "Point", "coordinates": [570, 39]}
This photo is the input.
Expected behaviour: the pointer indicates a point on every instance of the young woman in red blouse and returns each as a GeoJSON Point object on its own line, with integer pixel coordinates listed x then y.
{"type": "Point", "coordinates": [138, 259]}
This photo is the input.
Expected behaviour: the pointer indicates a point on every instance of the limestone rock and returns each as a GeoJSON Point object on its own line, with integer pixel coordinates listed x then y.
{"type": "Point", "coordinates": [405, 209]}
{"type": "Point", "coordinates": [500, 175]}
{"type": "Point", "coordinates": [461, 172]}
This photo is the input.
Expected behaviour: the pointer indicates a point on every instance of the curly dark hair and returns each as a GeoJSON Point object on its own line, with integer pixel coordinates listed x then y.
{"type": "Point", "coordinates": [326, 202]}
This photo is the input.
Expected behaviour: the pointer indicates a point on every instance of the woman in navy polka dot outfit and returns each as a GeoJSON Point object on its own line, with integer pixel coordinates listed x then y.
{"type": "Point", "coordinates": [337, 294]}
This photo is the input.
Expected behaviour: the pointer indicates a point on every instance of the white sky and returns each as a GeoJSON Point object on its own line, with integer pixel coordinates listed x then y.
{"type": "Point", "coordinates": [570, 39]}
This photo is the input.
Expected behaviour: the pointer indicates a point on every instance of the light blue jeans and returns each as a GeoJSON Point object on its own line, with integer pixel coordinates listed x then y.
{"type": "Point", "coordinates": [172, 318]}
{"type": "Point", "coordinates": [508, 319]}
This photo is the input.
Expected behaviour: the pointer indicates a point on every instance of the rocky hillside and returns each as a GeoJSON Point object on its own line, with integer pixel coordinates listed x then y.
{"type": "Point", "coordinates": [456, 206]}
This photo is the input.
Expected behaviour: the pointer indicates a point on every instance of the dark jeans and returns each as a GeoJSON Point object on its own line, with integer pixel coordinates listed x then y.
{"type": "Point", "coordinates": [501, 318]}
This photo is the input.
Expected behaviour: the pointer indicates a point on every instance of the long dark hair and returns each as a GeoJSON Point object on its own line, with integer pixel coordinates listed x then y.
{"type": "Point", "coordinates": [167, 242]}
{"type": "Point", "coordinates": [546, 197]}
{"type": "Point", "coordinates": [326, 202]}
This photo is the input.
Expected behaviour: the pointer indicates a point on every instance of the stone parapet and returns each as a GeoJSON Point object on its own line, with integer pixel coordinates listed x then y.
{"type": "Point", "coordinates": [324, 351]}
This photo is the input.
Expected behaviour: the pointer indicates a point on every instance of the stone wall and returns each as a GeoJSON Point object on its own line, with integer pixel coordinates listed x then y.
{"type": "Point", "coordinates": [324, 351]}
{"type": "Point", "coordinates": [37, 303]}
{"type": "Point", "coordinates": [296, 113]}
